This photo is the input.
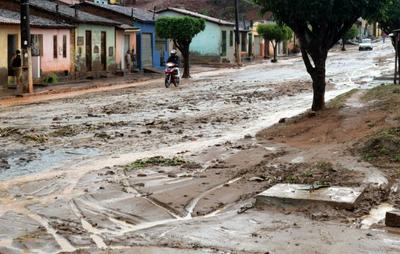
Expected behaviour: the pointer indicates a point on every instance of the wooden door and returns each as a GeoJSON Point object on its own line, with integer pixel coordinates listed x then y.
{"type": "Point", "coordinates": [104, 50]}
{"type": "Point", "coordinates": [88, 42]}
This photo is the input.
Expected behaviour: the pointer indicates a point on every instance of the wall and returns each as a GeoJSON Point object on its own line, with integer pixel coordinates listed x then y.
{"type": "Point", "coordinates": [120, 47]}
{"type": "Point", "coordinates": [96, 41]}
{"type": "Point", "coordinates": [208, 43]}
{"type": "Point", "coordinates": [5, 30]}
{"type": "Point", "coordinates": [149, 28]}
{"type": "Point", "coordinates": [48, 62]}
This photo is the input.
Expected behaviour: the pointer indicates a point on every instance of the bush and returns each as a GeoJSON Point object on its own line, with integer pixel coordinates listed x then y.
{"type": "Point", "coordinates": [51, 78]}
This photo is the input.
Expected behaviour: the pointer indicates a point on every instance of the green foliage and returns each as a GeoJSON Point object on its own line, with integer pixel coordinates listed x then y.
{"type": "Point", "coordinates": [389, 17]}
{"type": "Point", "coordinates": [351, 33]}
{"type": "Point", "coordinates": [179, 28]}
{"type": "Point", "coordinates": [275, 32]}
{"type": "Point", "coordinates": [51, 78]}
{"type": "Point", "coordinates": [155, 161]}
{"type": "Point", "coordinates": [322, 20]}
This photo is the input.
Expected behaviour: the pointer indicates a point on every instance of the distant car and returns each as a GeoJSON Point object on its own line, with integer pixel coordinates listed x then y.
{"type": "Point", "coordinates": [366, 44]}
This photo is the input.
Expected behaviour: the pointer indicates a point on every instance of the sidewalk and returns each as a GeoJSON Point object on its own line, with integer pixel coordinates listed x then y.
{"type": "Point", "coordinates": [77, 85]}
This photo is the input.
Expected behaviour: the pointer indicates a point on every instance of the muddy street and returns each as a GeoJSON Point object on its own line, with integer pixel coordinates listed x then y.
{"type": "Point", "coordinates": [146, 169]}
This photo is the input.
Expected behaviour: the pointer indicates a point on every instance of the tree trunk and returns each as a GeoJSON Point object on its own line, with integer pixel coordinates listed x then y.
{"type": "Point", "coordinates": [318, 74]}
{"type": "Point", "coordinates": [319, 85]}
{"type": "Point", "coordinates": [186, 65]}
{"type": "Point", "coordinates": [343, 45]}
{"type": "Point", "coordinates": [275, 51]}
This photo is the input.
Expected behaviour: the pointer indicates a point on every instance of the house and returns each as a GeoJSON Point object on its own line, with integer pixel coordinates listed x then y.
{"type": "Point", "coordinates": [94, 45]}
{"type": "Point", "coordinates": [215, 43]}
{"type": "Point", "coordinates": [151, 50]}
{"type": "Point", "coordinates": [45, 59]}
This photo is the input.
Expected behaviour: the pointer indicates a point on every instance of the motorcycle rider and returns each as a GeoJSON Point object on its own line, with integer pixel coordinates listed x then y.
{"type": "Point", "coordinates": [174, 58]}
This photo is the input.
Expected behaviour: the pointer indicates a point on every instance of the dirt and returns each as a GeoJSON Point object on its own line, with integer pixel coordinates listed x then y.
{"type": "Point", "coordinates": [166, 171]}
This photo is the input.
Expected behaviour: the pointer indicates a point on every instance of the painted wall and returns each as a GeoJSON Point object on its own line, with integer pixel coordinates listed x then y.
{"type": "Point", "coordinates": [149, 28]}
{"type": "Point", "coordinates": [209, 41]}
{"type": "Point", "coordinates": [5, 30]}
{"type": "Point", "coordinates": [120, 47]}
{"type": "Point", "coordinates": [96, 42]}
{"type": "Point", "coordinates": [48, 62]}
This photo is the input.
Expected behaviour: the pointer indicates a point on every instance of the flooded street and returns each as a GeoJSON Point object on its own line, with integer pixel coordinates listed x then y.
{"type": "Point", "coordinates": [70, 182]}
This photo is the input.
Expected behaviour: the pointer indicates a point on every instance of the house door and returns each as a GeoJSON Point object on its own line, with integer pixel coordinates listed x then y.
{"type": "Point", "coordinates": [104, 50]}
{"type": "Point", "coordinates": [147, 50]}
{"type": "Point", "coordinates": [12, 42]}
{"type": "Point", "coordinates": [88, 50]}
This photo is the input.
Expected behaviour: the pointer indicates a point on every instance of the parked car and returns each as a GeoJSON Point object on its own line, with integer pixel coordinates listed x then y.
{"type": "Point", "coordinates": [366, 44]}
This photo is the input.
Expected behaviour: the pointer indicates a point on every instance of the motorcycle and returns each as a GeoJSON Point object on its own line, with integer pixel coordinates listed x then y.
{"type": "Point", "coordinates": [172, 75]}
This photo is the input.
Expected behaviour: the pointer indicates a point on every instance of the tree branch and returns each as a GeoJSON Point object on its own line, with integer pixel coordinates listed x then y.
{"type": "Point", "coordinates": [309, 67]}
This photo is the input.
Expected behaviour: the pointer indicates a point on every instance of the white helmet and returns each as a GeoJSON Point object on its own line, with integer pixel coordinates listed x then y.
{"type": "Point", "coordinates": [173, 52]}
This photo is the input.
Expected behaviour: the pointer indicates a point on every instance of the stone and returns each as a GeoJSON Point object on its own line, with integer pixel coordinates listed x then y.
{"type": "Point", "coordinates": [282, 120]}
{"type": "Point", "coordinates": [256, 179]}
{"type": "Point", "coordinates": [302, 194]}
{"type": "Point", "coordinates": [393, 219]}
{"type": "Point", "coordinates": [248, 136]}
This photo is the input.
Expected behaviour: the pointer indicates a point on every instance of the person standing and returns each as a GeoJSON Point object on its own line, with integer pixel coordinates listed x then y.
{"type": "Point", "coordinates": [128, 60]}
{"type": "Point", "coordinates": [133, 59]}
{"type": "Point", "coordinates": [16, 64]}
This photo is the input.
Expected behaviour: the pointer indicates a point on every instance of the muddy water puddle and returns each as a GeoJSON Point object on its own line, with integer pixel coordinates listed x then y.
{"type": "Point", "coordinates": [20, 163]}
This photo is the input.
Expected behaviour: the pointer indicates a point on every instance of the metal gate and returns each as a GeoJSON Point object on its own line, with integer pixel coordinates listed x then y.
{"type": "Point", "coordinates": [147, 50]}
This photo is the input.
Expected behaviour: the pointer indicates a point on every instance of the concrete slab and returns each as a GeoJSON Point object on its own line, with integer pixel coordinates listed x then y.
{"type": "Point", "coordinates": [393, 219]}
{"type": "Point", "coordinates": [301, 194]}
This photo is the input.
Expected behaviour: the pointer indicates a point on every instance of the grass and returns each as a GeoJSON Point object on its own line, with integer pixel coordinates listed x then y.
{"type": "Point", "coordinates": [340, 100]}
{"type": "Point", "coordinates": [66, 131]}
{"type": "Point", "coordinates": [8, 131]}
{"type": "Point", "coordinates": [382, 147]}
{"type": "Point", "coordinates": [155, 161]}
{"type": "Point", "coordinates": [383, 93]}
{"type": "Point", "coordinates": [38, 138]}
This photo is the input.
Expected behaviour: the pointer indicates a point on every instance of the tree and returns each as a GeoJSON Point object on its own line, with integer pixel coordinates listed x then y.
{"type": "Point", "coordinates": [389, 20]}
{"type": "Point", "coordinates": [350, 34]}
{"type": "Point", "coordinates": [181, 30]}
{"type": "Point", "coordinates": [319, 25]}
{"type": "Point", "coordinates": [275, 33]}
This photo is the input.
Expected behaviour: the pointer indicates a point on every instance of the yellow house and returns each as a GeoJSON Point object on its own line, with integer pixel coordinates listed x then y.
{"type": "Point", "coordinates": [9, 43]}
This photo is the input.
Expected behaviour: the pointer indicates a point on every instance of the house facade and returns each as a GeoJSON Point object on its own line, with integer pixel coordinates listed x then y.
{"type": "Point", "coordinates": [151, 52]}
{"type": "Point", "coordinates": [55, 57]}
{"type": "Point", "coordinates": [214, 44]}
{"type": "Point", "coordinates": [92, 41]}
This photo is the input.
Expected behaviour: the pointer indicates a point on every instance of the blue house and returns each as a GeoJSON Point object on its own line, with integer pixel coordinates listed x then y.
{"type": "Point", "coordinates": [151, 51]}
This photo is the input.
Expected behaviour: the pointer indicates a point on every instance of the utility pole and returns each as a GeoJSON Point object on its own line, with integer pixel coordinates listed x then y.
{"type": "Point", "coordinates": [237, 37]}
{"type": "Point", "coordinates": [26, 46]}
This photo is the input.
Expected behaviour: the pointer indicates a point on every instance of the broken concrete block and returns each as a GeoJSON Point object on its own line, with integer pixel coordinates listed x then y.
{"type": "Point", "coordinates": [393, 219]}
{"type": "Point", "coordinates": [302, 194]}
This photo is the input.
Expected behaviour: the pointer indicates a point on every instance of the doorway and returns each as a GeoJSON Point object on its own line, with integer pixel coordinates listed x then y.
{"type": "Point", "coordinates": [88, 50]}
{"type": "Point", "coordinates": [104, 50]}
{"type": "Point", "coordinates": [147, 50]}
{"type": "Point", "coordinates": [12, 41]}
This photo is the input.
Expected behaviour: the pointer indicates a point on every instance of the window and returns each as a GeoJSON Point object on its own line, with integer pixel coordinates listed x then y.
{"type": "Point", "coordinates": [231, 39]}
{"type": "Point", "coordinates": [65, 46]}
{"type": "Point", "coordinates": [55, 46]}
{"type": "Point", "coordinates": [223, 45]}
{"type": "Point", "coordinates": [37, 44]}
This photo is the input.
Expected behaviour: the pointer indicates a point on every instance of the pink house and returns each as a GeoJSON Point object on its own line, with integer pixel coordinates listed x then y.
{"type": "Point", "coordinates": [51, 51]}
